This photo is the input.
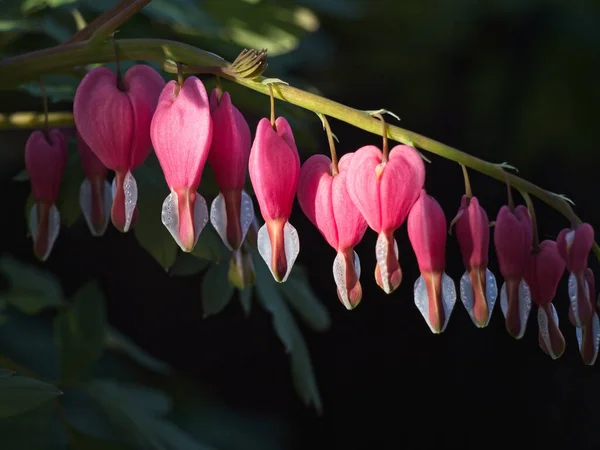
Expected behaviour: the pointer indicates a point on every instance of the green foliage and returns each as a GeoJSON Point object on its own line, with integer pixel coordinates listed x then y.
{"type": "Point", "coordinates": [216, 289]}
{"type": "Point", "coordinates": [19, 394]}
{"type": "Point", "coordinates": [80, 331]}
{"type": "Point", "coordinates": [149, 230]}
{"type": "Point", "coordinates": [31, 289]}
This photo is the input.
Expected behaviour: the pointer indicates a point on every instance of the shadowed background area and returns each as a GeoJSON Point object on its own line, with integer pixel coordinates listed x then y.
{"type": "Point", "coordinates": [513, 81]}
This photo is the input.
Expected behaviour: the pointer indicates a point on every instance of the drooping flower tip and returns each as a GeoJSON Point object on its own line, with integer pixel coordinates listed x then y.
{"type": "Point", "coordinates": [95, 194]}
{"type": "Point", "coordinates": [181, 133]}
{"type": "Point", "coordinates": [231, 212]}
{"type": "Point", "coordinates": [478, 290]}
{"type": "Point", "coordinates": [324, 199]}
{"type": "Point", "coordinates": [115, 124]}
{"type": "Point", "coordinates": [45, 160]}
{"type": "Point", "coordinates": [513, 238]}
{"type": "Point", "coordinates": [435, 293]}
{"type": "Point", "coordinates": [384, 192]}
{"type": "Point", "coordinates": [274, 168]}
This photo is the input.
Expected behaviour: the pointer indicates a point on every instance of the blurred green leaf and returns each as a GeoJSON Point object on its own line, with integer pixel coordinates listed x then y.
{"type": "Point", "coordinates": [136, 412]}
{"type": "Point", "coordinates": [31, 289]}
{"type": "Point", "coordinates": [31, 430]}
{"type": "Point", "coordinates": [80, 441]}
{"type": "Point", "coordinates": [245, 296]}
{"type": "Point", "coordinates": [79, 333]}
{"type": "Point", "coordinates": [115, 340]}
{"type": "Point", "coordinates": [209, 245]}
{"type": "Point", "coordinates": [300, 296]}
{"type": "Point", "coordinates": [149, 231]}
{"type": "Point", "coordinates": [70, 185]}
{"type": "Point", "coordinates": [187, 265]}
{"type": "Point", "coordinates": [216, 289]}
{"type": "Point", "coordinates": [58, 88]}
{"type": "Point", "coordinates": [287, 330]}
{"type": "Point", "coordinates": [19, 394]}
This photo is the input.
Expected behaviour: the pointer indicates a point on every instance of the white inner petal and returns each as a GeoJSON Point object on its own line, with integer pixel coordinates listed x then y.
{"type": "Point", "coordinates": [524, 305]}
{"type": "Point", "coordinates": [291, 244]}
{"type": "Point", "coordinates": [170, 217]}
{"type": "Point", "coordinates": [543, 324]}
{"type": "Point", "coordinates": [85, 202]}
{"type": "Point", "coordinates": [339, 276]}
{"type": "Point", "coordinates": [572, 288]}
{"type": "Point", "coordinates": [53, 227]}
{"type": "Point", "coordinates": [421, 299]}
{"type": "Point", "coordinates": [131, 197]}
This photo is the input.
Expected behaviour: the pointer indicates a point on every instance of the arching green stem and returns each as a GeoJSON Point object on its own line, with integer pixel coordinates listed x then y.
{"type": "Point", "coordinates": [61, 59]}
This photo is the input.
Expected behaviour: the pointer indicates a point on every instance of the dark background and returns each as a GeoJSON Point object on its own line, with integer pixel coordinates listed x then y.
{"type": "Point", "coordinates": [512, 81]}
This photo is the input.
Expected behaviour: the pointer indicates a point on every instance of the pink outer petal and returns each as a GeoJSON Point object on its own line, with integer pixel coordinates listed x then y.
{"type": "Point", "coordinates": [473, 234]}
{"type": "Point", "coordinates": [427, 233]}
{"type": "Point", "coordinates": [363, 185]}
{"type": "Point", "coordinates": [351, 225]}
{"type": "Point", "coordinates": [274, 168]}
{"type": "Point", "coordinates": [575, 246]}
{"type": "Point", "coordinates": [513, 240]}
{"type": "Point", "coordinates": [92, 166]}
{"type": "Point", "coordinates": [144, 86]}
{"type": "Point", "coordinates": [181, 133]}
{"type": "Point", "coordinates": [231, 142]}
{"type": "Point", "coordinates": [45, 162]}
{"type": "Point", "coordinates": [543, 272]}
{"type": "Point", "coordinates": [315, 196]}
{"type": "Point", "coordinates": [113, 123]}
{"type": "Point", "coordinates": [401, 182]}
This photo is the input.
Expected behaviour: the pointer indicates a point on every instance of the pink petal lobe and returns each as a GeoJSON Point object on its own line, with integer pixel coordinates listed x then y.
{"type": "Point", "coordinates": [401, 182]}
{"type": "Point", "coordinates": [543, 272]}
{"type": "Point", "coordinates": [473, 234]}
{"type": "Point", "coordinates": [92, 166]}
{"type": "Point", "coordinates": [144, 86]}
{"type": "Point", "coordinates": [363, 184]}
{"type": "Point", "coordinates": [231, 142]}
{"type": "Point", "coordinates": [427, 233]}
{"type": "Point", "coordinates": [351, 225]}
{"type": "Point", "coordinates": [513, 240]}
{"type": "Point", "coordinates": [45, 161]}
{"type": "Point", "coordinates": [315, 196]}
{"type": "Point", "coordinates": [274, 168]}
{"type": "Point", "coordinates": [181, 133]}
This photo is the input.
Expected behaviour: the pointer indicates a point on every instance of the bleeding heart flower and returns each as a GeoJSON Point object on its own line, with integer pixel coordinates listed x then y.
{"type": "Point", "coordinates": [95, 197]}
{"type": "Point", "coordinates": [181, 133]}
{"type": "Point", "coordinates": [274, 168]}
{"type": "Point", "coordinates": [588, 336]}
{"type": "Point", "coordinates": [478, 290]}
{"type": "Point", "coordinates": [324, 199]}
{"type": "Point", "coordinates": [574, 246]}
{"type": "Point", "coordinates": [513, 236]}
{"type": "Point", "coordinates": [45, 159]}
{"type": "Point", "coordinates": [542, 274]}
{"type": "Point", "coordinates": [231, 212]}
{"type": "Point", "coordinates": [435, 293]}
{"type": "Point", "coordinates": [384, 192]}
{"type": "Point", "coordinates": [115, 124]}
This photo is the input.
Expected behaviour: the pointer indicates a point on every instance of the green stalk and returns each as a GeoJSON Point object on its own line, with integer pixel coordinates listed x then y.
{"type": "Point", "coordinates": [63, 58]}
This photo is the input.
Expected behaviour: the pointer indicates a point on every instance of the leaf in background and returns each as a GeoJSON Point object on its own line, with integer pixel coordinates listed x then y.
{"type": "Point", "coordinates": [58, 87]}
{"type": "Point", "coordinates": [182, 14]}
{"type": "Point", "coordinates": [23, 175]}
{"type": "Point", "coordinates": [149, 230]}
{"type": "Point", "coordinates": [287, 330]}
{"type": "Point", "coordinates": [68, 198]}
{"type": "Point", "coordinates": [29, 431]}
{"type": "Point", "coordinates": [31, 289]}
{"type": "Point", "coordinates": [245, 296]}
{"type": "Point", "coordinates": [80, 441]}
{"type": "Point", "coordinates": [115, 340]}
{"type": "Point", "coordinates": [216, 289]}
{"type": "Point", "coordinates": [188, 265]}
{"type": "Point", "coordinates": [209, 245]}
{"type": "Point", "coordinates": [19, 394]}
{"type": "Point", "coordinates": [136, 411]}
{"type": "Point", "coordinates": [300, 296]}
{"type": "Point", "coordinates": [79, 333]}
